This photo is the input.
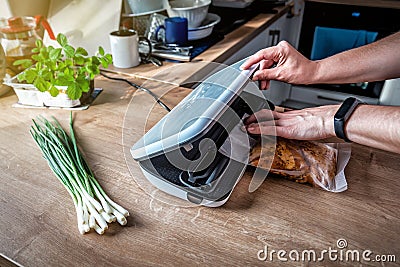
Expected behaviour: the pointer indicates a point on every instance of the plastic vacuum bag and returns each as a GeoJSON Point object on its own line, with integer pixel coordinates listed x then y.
{"type": "Point", "coordinates": [319, 164]}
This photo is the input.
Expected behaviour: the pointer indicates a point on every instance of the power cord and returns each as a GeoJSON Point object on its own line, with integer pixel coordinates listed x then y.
{"type": "Point", "coordinates": [140, 88]}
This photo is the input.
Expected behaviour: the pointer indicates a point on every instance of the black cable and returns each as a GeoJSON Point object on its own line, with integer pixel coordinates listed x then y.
{"type": "Point", "coordinates": [140, 88]}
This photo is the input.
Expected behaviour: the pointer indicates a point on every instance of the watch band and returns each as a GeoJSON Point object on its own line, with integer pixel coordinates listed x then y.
{"type": "Point", "coordinates": [343, 114]}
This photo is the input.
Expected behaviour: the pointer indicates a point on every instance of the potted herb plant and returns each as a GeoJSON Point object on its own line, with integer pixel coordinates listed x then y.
{"type": "Point", "coordinates": [58, 76]}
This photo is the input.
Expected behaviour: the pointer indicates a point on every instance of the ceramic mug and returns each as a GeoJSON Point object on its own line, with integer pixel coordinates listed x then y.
{"type": "Point", "coordinates": [125, 48]}
{"type": "Point", "coordinates": [176, 30]}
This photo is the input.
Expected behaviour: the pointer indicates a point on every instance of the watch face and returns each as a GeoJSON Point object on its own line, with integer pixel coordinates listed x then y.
{"type": "Point", "coordinates": [342, 115]}
{"type": "Point", "coordinates": [346, 108]}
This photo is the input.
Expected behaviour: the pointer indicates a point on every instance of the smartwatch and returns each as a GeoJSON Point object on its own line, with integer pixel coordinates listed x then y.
{"type": "Point", "coordinates": [343, 114]}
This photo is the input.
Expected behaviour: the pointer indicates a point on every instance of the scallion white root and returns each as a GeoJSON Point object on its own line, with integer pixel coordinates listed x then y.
{"type": "Point", "coordinates": [104, 203]}
{"type": "Point", "coordinates": [120, 217]}
{"type": "Point", "coordinates": [98, 229]}
{"type": "Point", "coordinates": [94, 209]}
{"type": "Point", "coordinates": [92, 221]}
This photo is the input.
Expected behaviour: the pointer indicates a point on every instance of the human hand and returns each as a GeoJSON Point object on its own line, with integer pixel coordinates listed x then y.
{"type": "Point", "coordinates": [291, 66]}
{"type": "Point", "coordinates": [305, 124]}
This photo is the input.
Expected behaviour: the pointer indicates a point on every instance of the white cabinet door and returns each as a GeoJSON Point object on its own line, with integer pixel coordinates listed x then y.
{"type": "Point", "coordinates": [270, 36]}
{"type": "Point", "coordinates": [259, 42]}
{"type": "Point", "coordinates": [285, 28]}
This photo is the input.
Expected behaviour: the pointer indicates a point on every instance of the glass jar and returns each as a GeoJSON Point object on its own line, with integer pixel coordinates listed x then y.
{"type": "Point", "coordinates": [18, 37]}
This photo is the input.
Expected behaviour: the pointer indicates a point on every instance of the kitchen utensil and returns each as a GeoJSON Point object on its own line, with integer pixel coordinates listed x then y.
{"type": "Point", "coordinates": [154, 22]}
{"type": "Point", "coordinates": [143, 7]}
{"type": "Point", "coordinates": [18, 37]}
{"type": "Point", "coordinates": [125, 48]}
{"type": "Point", "coordinates": [176, 30]}
{"type": "Point", "coordinates": [138, 23]}
{"type": "Point", "coordinates": [168, 52]}
{"type": "Point", "coordinates": [173, 47]}
{"type": "Point", "coordinates": [155, 61]}
{"type": "Point", "coordinates": [181, 153]}
{"type": "Point", "coordinates": [194, 10]}
{"type": "Point", "coordinates": [206, 27]}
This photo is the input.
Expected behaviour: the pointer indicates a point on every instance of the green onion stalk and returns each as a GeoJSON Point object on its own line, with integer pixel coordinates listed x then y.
{"type": "Point", "coordinates": [94, 209]}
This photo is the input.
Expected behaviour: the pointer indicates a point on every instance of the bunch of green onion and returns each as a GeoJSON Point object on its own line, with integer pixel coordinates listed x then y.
{"type": "Point", "coordinates": [94, 208]}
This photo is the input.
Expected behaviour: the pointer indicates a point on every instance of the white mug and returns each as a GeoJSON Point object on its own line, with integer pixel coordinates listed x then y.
{"type": "Point", "coordinates": [125, 48]}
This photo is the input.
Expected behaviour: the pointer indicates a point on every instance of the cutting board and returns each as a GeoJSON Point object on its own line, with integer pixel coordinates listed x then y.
{"type": "Point", "coordinates": [86, 23]}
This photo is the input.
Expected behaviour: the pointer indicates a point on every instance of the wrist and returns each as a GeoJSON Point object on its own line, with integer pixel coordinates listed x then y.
{"type": "Point", "coordinates": [315, 72]}
{"type": "Point", "coordinates": [330, 119]}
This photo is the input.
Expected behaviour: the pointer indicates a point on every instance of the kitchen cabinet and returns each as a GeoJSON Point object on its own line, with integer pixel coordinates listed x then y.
{"type": "Point", "coordinates": [284, 28]}
{"type": "Point", "coordinates": [303, 97]}
{"type": "Point", "coordinates": [377, 18]}
{"type": "Point", "coordinates": [279, 30]}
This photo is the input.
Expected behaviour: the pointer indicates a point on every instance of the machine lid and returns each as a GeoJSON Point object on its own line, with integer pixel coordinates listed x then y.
{"type": "Point", "coordinates": [195, 113]}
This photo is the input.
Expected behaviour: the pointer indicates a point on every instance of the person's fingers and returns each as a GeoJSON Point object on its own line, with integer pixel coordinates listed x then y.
{"type": "Point", "coordinates": [269, 53]}
{"type": "Point", "coordinates": [257, 57]}
{"type": "Point", "coordinates": [250, 119]}
{"type": "Point", "coordinates": [263, 128]}
{"type": "Point", "coordinates": [265, 74]}
{"type": "Point", "coordinates": [266, 64]}
{"type": "Point", "coordinates": [261, 124]}
{"type": "Point", "coordinates": [263, 84]}
{"type": "Point", "coordinates": [267, 83]}
{"type": "Point", "coordinates": [262, 115]}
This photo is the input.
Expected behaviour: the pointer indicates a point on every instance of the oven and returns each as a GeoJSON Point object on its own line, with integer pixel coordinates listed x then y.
{"type": "Point", "coordinates": [329, 28]}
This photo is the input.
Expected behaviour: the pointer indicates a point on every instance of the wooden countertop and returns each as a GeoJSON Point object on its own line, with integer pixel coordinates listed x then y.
{"type": "Point", "coordinates": [38, 222]}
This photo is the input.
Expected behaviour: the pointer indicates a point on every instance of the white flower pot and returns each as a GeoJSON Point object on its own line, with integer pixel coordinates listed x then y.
{"type": "Point", "coordinates": [61, 100]}
{"type": "Point", "coordinates": [29, 97]}
{"type": "Point", "coordinates": [28, 94]}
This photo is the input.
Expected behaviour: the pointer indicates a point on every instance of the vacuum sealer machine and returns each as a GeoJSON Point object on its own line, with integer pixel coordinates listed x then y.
{"type": "Point", "coordinates": [190, 152]}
